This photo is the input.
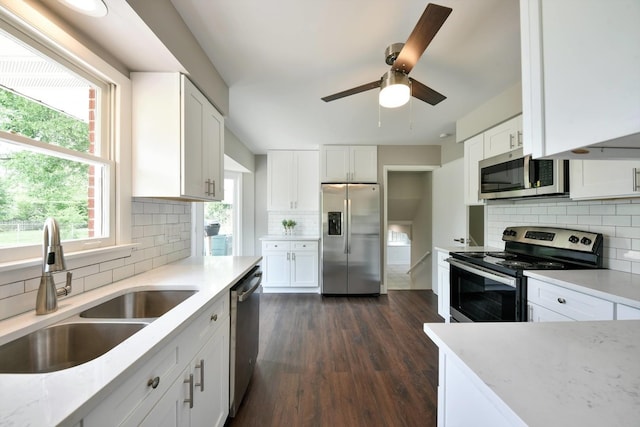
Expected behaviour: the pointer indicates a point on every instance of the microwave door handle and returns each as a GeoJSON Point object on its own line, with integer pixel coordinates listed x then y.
{"type": "Point", "coordinates": [483, 272]}
{"type": "Point", "coordinates": [528, 172]}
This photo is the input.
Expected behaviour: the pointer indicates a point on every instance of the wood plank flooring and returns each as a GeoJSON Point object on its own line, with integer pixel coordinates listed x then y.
{"type": "Point", "coordinates": [344, 361]}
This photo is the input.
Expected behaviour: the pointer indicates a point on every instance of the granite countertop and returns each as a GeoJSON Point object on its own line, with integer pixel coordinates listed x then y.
{"type": "Point", "coordinates": [288, 237]}
{"type": "Point", "coordinates": [555, 373]}
{"type": "Point", "coordinates": [616, 286]}
{"type": "Point", "coordinates": [67, 395]}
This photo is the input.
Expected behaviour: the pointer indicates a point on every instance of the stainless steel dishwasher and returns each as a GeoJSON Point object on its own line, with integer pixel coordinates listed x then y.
{"type": "Point", "coordinates": [245, 327]}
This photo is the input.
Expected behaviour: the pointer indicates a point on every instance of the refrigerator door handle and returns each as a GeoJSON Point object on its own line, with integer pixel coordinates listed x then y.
{"type": "Point", "coordinates": [349, 226]}
{"type": "Point", "coordinates": [344, 235]}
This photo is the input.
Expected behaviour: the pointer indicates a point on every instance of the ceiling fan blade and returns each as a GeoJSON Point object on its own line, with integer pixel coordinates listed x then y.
{"type": "Point", "coordinates": [425, 30]}
{"type": "Point", "coordinates": [352, 91]}
{"type": "Point", "coordinates": [425, 93]}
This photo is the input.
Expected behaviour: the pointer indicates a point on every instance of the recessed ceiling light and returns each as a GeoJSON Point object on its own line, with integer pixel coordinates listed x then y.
{"type": "Point", "coordinates": [95, 8]}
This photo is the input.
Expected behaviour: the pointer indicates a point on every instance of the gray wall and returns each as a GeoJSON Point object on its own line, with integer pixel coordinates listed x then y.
{"type": "Point", "coordinates": [262, 217]}
{"type": "Point", "coordinates": [423, 235]}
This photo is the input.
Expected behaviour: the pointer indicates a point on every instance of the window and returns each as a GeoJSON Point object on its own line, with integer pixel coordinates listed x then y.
{"type": "Point", "coordinates": [54, 149]}
{"type": "Point", "coordinates": [222, 219]}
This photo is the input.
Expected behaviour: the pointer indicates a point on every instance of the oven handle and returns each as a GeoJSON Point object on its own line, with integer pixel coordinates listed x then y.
{"type": "Point", "coordinates": [483, 272]}
{"type": "Point", "coordinates": [245, 295]}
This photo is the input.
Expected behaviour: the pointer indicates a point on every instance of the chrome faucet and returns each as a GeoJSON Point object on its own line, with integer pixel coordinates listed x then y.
{"type": "Point", "coordinates": [52, 261]}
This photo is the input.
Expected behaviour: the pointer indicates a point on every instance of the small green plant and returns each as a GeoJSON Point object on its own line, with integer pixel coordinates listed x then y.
{"type": "Point", "coordinates": [288, 225]}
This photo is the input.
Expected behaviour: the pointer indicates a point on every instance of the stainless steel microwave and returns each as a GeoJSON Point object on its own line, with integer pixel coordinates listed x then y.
{"type": "Point", "coordinates": [513, 175]}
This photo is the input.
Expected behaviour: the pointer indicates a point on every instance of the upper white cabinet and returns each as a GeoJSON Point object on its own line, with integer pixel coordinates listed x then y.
{"type": "Point", "coordinates": [597, 179]}
{"type": "Point", "coordinates": [292, 181]}
{"type": "Point", "coordinates": [504, 137]}
{"type": "Point", "coordinates": [580, 68]}
{"type": "Point", "coordinates": [178, 139]}
{"type": "Point", "coordinates": [345, 163]}
{"type": "Point", "coordinates": [473, 153]}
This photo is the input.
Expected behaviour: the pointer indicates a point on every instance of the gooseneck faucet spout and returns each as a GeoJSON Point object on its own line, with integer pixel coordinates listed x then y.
{"type": "Point", "coordinates": [52, 261]}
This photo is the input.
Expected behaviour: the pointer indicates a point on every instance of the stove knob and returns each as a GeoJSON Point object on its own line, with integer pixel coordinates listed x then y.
{"type": "Point", "coordinates": [585, 241]}
{"type": "Point", "coordinates": [574, 239]}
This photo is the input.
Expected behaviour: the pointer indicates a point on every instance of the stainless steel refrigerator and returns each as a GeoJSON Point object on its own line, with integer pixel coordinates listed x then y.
{"type": "Point", "coordinates": [350, 239]}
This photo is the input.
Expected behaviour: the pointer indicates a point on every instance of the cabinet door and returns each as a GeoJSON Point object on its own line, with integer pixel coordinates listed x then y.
{"type": "Point", "coordinates": [562, 55]}
{"type": "Point", "coordinates": [505, 137]}
{"type": "Point", "coordinates": [171, 410]}
{"type": "Point", "coordinates": [211, 380]}
{"type": "Point", "coordinates": [277, 267]}
{"type": "Point", "coordinates": [304, 268]}
{"type": "Point", "coordinates": [279, 180]}
{"type": "Point", "coordinates": [306, 181]}
{"type": "Point", "coordinates": [364, 164]}
{"type": "Point", "coordinates": [334, 163]}
{"type": "Point", "coordinates": [538, 313]}
{"type": "Point", "coordinates": [473, 153]}
{"type": "Point", "coordinates": [443, 293]}
{"type": "Point", "coordinates": [193, 141]}
{"type": "Point", "coordinates": [594, 179]}
{"type": "Point", "coordinates": [213, 152]}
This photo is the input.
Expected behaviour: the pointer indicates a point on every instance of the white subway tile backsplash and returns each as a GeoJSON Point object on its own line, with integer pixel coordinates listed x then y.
{"type": "Point", "coordinates": [618, 220]}
{"type": "Point", "coordinates": [307, 223]}
{"type": "Point", "coordinates": [160, 228]}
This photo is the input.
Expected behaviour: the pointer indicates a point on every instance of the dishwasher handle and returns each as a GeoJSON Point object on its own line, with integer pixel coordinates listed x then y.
{"type": "Point", "coordinates": [246, 294]}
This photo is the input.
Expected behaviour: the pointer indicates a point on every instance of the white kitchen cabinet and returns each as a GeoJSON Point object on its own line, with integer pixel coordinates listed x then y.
{"type": "Point", "coordinates": [349, 163]}
{"type": "Point", "coordinates": [625, 312]}
{"type": "Point", "coordinates": [155, 394]}
{"type": "Point", "coordinates": [443, 286]}
{"type": "Point", "coordinates": [580, 85]}
{"type": "Point", "coordinates": [290, 264]}
{"type": "Point", "coordinates": [504, 137]}
{"type": "Point", "coordinates": [538, 313]}
{"type": "Point", "coordinates": [292, 181]}
{"type": "Point", "coordinates": [565, 303]}
{"type": "Point", "coordinates": [473, 153]}
{"type": "Point", "coordinates": [177, 139]}
{"type": "Point", "coordinates": [463, 400]}
{"type": "Point", "coordinates": [598, 179]}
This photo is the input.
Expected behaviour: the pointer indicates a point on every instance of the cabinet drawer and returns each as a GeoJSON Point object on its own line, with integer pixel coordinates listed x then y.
{"type": "Point", "coordinates": [537, 313]}
{"type": "Point", "coordinates": [276, 245]}
{"type": "Point", "coordinates": [625, 312]}
{"type": "Point", "coordinates": [137, 391]}
{"type": "Point", "coordinates": [304, 246]}
{"type": "Point", "coordinates": [212, 317]}
{"type": "Point", "coordinates": [576, 305]}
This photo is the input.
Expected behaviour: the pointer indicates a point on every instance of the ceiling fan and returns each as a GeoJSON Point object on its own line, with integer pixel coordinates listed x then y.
{"type": "Point", "coordinates": [396, 87]}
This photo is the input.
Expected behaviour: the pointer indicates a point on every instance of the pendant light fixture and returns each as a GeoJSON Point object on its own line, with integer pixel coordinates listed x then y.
{"type": "Point", "coordinates": [95, 8]}
{"type": "Point", "coordinates": [395, 89]}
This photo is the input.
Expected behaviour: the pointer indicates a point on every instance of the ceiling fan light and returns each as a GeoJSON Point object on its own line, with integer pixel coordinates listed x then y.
{"type": "Point", "coordinates": [394, 89]}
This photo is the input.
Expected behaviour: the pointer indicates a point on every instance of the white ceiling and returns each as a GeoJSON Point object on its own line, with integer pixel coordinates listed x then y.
{"type": "Point", "coordinates": [279, 57]}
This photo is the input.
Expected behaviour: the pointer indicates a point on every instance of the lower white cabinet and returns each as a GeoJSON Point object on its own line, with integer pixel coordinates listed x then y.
{"type": "Point", "coordinates": [625, 312]}
{"type": "Point", "coordinates": [159, 392]}
{"type": "Point", "coordinates": [290, 264]}
{"type": "Point", "coordinates": [549, 302]}
{"type": "Point", "coordinates": [443, 286]}
{"type": "Point", "coordinates": [597, 179]}
{"type": "Point", "coordinates": [465, 402]}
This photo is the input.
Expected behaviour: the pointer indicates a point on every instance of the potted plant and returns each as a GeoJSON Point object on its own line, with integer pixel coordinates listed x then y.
{"type": "Point", "coordinates": [288, 225]}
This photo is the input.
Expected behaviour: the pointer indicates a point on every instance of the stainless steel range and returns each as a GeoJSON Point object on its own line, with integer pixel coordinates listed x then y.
{"type": "Point", "coordinates": [492, 287]}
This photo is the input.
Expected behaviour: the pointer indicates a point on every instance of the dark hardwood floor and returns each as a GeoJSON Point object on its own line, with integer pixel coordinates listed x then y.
{"type": "Point", "coordinates": [344, 361]}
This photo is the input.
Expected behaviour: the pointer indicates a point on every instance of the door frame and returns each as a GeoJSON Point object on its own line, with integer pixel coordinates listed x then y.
{"type": "Point", "coordinates": [385, 181]}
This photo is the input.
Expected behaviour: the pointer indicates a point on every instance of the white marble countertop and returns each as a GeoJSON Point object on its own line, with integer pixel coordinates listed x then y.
{"type": "Point", "coordinates": [64, 397]}
{"type": "Point", "coordinates": [616, 286]}
{"type": "Point", "coordinates": [467, 249]}
{"type": "Point", "coordinates": [288, 237]}
{"type": "Point", "coordinates": [555, 373]}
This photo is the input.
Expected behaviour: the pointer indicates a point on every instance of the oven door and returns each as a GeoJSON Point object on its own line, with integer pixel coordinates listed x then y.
{"type": "Point", "coordinates": [481, 295]}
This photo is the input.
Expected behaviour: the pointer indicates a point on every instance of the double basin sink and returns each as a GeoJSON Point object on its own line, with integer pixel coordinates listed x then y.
{"type": "Point", "coordinates": [94, 332]}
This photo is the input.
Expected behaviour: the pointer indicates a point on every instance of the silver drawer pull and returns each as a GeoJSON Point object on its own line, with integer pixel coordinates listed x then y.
{"type": "Point", "coordinates": [153, 382]}
{"type": "Point", "coordinates": [201, 367]}
{"type": "Point", "coordinates": [190, 399]}
{"type": "Point", "coordinates": [214, 318]}
{"type": "Point", "coordinates": [562, 300]}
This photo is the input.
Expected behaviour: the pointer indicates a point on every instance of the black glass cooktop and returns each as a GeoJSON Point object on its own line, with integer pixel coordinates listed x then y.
{"type": "Point", "coordinates": [512, 263]}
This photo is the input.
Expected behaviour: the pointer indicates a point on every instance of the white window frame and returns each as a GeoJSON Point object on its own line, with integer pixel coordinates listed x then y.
{"type": "Point", "coordinates": [37, 31]}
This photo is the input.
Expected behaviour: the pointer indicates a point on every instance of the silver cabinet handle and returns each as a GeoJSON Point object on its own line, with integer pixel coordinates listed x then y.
{"type": "Point", "coordinates": [288, 256]}
{"type": "Point", "coordinates": [201, 367]}
{"type": "Point", "coordinates": [293, 256]}
{"type": "Point", "coordinates": [562, 300]}
{"type": "Point", "coordinates": [511, 145]}
{"type": "Point", "coordinates": [519, 138]}
{"type": "Point", "coordinates": [636, 179]}
{"type": "Point", "coordinates": [213, 193]}
{"type": "Point", "coordinates": [214, 318]}
{"type": "Point", "coordinates": [190, 399]}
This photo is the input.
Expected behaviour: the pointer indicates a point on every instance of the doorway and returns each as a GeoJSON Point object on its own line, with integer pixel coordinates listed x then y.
{"type": "Point", "coordinates": [407, 227]}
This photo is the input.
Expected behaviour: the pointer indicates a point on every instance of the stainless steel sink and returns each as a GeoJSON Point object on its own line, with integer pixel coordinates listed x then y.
{"type": "Point", "coordinates": [63, 346]}
{"type": "Point", "coordinates": [138, 305]}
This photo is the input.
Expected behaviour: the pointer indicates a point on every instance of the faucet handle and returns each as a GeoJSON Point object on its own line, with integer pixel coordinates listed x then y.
{"type": "Point", "coordinates": [62, 292]}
